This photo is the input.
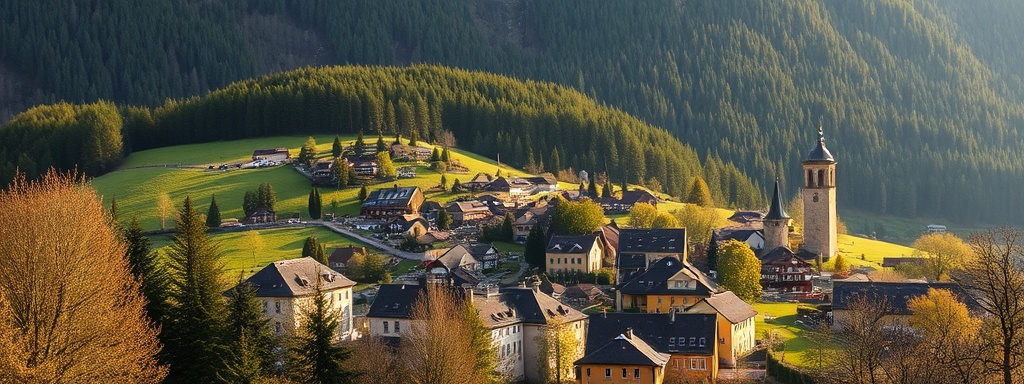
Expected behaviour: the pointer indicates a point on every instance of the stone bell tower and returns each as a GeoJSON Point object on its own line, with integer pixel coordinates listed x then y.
{"type": "Point", "coordinates": [819, 195]}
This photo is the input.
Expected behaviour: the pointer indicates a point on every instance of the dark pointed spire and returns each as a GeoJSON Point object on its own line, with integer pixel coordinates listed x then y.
{"type": "Point", "coordinates": [775, 211]}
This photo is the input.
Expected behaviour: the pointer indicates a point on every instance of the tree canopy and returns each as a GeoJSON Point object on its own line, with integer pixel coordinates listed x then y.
{"type": "Point", "coordinates": [739, 270]}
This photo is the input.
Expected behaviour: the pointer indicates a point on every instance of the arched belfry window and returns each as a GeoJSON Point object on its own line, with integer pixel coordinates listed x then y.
{"type": "Point", "coordinates": [821, 178]}
{"type": "Point", "coordinates": [810, 178]}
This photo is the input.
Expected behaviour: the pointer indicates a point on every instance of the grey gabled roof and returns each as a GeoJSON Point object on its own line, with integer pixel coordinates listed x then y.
{"type": "Point", "coordinates": [296, 277]}
{"type": "Point", "coordinates": [572, 244]}
{"type": "Point", "coordinates": [896, 294]}
{"type": "Point", "coordinates": [390, 197]}
{"type": "Point", "coordinates": [625, 349]}
{"type": "Point", "coordinates": [731, 307]}
{"type": "Point", "coordinates": [395, 300]}
{"type": "Point", "coordinates": [654, 281]}
{"type": "Point", "coordinates": [663, 240]}
{"type": "Point", "coordinates": [775, 210]}
{"type": "Point", "coordinates": [659, 330]}
{"type": "Point", "coordinates": [454, 257]}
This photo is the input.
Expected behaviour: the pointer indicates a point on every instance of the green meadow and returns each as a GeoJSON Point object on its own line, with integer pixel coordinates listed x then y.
{"type": "Point", "coordinates": [144, 176]}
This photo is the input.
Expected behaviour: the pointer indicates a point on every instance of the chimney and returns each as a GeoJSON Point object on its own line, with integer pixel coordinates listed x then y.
{"type": "Point", "coordinates": [522, 284]}
{"type": "Point", "coordinates": [629, 333]}
{"type": "Point", "coordinates": [604, 313]}
{"type": "Point", "coordinates": [672, 316]}
{"type": "Point", "coordinates": [536, 286]}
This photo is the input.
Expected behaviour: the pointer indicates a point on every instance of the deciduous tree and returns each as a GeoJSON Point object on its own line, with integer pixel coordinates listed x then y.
{"type": "Point", "coordinates": [699, 222]}
{"type": "Point", "coordinates": [942, 252]}
{"type": "Point", "coordinates": [642, 215]}
{"type": "Point", "coordinates": [307, 154]}
{"type": "Point", "coordinates": [386, 168]}
{"type": "Point", "coordinates": [558, 346]}
{"type": "Point", "coordinates": [996, 276]}
{"type": "Point", "coordinates": [163, 208]}
{"type": "Point", "coordinates": [950, 334]}
{"type": "Point", "coordinates": [442, 347]}
{"type": "Point", "coordinates": [576, 217]}
{"type": "Point", "coordinates": [739, 270]}
{"type": "Point", "coordinates": [76, 318]}
{"type": "Point", "coordinates": [665, 220]}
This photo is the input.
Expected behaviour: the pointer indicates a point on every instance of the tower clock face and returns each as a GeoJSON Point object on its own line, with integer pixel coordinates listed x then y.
{"type": "Point", "coordinates": [815, 197]}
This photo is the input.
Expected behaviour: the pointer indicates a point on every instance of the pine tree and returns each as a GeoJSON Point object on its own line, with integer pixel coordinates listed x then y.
{"type": "Point", "coordinates": [381, 146]}
{"type": "Point", "coordinates": [444, 182]}
{"type": "Point", "coordinates": [444, 219]}
{"type": "Point", "coordinates": [265, 197]}
{"type": "Point", "coordinates": [252, 343]}
{"type": "Point", "coordinates": [309, 248]}
{"type": "Point", "coordinates": [194, 329]}
{"type": "Point", "coordinates": [398, 138]}
{"type": "Point", "coordinates": [435, 155]}
{"type": "Point", "coordinates": [456, 186]}
{"type": "Point", "coordinates": [592, 189]}
{"type": "Point", "coordinates": [582, 190]}
{"type": "Point", "coordinates": [507, 233]}
{"type": "Point", "coordinates": [414, 137]}
{"type": "Point", "coordinates": [249, 203]}
{"type": "Point", "coordinates": [363, 194]}
{"type": "Point", "coordinates": [336, 147]}
{"type": "Point", "coordinates": [360, 145]}
{"type": "Point", "coordinates": [315, 204]}
{"type": "Point", "coordinates": [151, 276]}
{"type": "Point", "coordinates": [606, 192]}
{"type": "Point", "coordinates": [213, 214]}
{"type": "Point", "coordinates": [446, 156]}
{"type": "Point", "coordinates": [554, 164]}
{"type": "Point", "coordinates": [536, 247]}
{"type": "Point", "coordinates": [316, 358]}
{"type": "Point", "coordinates": [699, 193]}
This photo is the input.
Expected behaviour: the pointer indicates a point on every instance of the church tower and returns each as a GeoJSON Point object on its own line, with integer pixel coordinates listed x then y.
{"type": "Point", "coordinates": [776, 223]}
{"type": "Point", "coordinates": [819, 195]}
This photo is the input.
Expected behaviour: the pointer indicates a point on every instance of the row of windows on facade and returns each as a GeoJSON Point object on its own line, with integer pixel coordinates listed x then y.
{"type": "Point", "coordinates": [682, 341]}
{"type": "Point", "coordinates": [511, 349]}
{"type": "Point", "coordinates": [505, 332]}
{"type": "Point", "coordinates": [567, 260]}
{"type": "Point", "coordinates": [277, 304]}
{"type": "Point", "coordinates": [695, 365]}
{"type": "Point", "coordinates": [398, 327]}
{"type": "Point", "coordinates": [786, 277]}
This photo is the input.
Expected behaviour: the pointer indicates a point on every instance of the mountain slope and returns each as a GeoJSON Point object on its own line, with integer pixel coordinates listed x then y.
{"type": "Point", "coordinates": [920, 101]}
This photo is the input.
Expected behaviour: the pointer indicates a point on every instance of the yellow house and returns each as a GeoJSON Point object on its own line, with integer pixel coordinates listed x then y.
{"type": "Point", "coordinates": [687, 339]}
{"type": "Point", "coordinates": [638, 249]}
{"type": "Point", "coordinates": [736, 333]}
{"type": "Point", "coordinates": [574, 254]}
{"type": "Point", "coordinates": [624, 359]}
{"type": "Point", "coordinates": [667, 285]}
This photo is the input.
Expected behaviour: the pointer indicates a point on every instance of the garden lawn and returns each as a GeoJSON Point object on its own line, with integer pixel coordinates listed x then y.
{"type": "Point", "coordinates": [279, 244]}
{"type": "Point", "coordinates": [136, 186]}
{"type": "Point", "coordinates": [798, 348]}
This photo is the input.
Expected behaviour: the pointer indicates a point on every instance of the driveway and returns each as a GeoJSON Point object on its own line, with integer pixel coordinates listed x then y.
{"type": "Point", "coordinates": [374, 242]}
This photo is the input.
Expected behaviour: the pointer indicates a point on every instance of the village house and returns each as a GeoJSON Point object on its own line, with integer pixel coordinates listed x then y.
{"type": "Point", "coordinates": [478, 182]}
{"type": "Point", "coordinates": [542, 183]}
{"type": "Point", "coordinates": [513, 192]}
{"type": "Point", "coordinates": [736, 333]}
{"type": "Point", "coordinates": [666, 286]}
{"type": "Point", "coordinates": [273, 154]}
{"type": "Point", "coordinates": [429, 210]}
{"type": "Point", "coordinates": [364, 166]}
{"type": "Point", "coordinates": [485, 253]}
{"type": "Point", "coordinates": [261, 216]}
{"type": "Point", "coordinates": [465, 212]}
{"type": "Point", "coordinates": [411, 152]}
{"type": "Point", "coordinates": [583, 295]}
{"type": "Point", "coordinates": [286, 288]}
{"type": "Point", "coordinates": [526, 219]}
{"type": "Point", "coordinates": [640, 248]}
{"type": "Point", "coordinates": [338, 260]}
{"type": "Point", "coordinates": [894, 294]}
{"type": "Point", "coordinates": [392, 202]}
{"type": "Point", "coordinates": [684, 343]}
{"type": "Point", "coordinates": [749, 235]}
{"type": "Point", "coordinates": [783, 271]}
{"type": "Point", "coordinates": [581, 254]}
{"type": "Point", "coordinates": [408, 225]}
{"type": "Point", "coordinates": [323, 171]}
{"type": "Point", "coordinates": [515, 318]}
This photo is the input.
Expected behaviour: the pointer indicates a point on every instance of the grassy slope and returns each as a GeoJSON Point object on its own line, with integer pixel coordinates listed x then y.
{"type": "Point", "coordinates": [279, 244]}
{"type": "Point", "coordinates": [136, 189]}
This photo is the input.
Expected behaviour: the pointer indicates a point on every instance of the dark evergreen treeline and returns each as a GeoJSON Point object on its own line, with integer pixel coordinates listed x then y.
{"type": "Point", "coordinates": [920, 101]}
{"type": "Point", "coordinates": [487, 114]}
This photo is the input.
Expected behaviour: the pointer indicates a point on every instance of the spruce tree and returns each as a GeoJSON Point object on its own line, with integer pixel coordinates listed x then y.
{"type": "Point", "coordinates": [582, 190]}
{"type": "Point", "coordinates": [606, 192]}
{"type": "Point", "coordinates": [414, 137]}
{"type": "Point", "coordinates": [712, 255]}
{"type": "Point", "coordinates": [213, 214]}
{"type": "Point", "coordinates": [265, 197]}
{"type": "Point", "coordinates": [363, 194]}
{"type": "Point", "coordinates": [444, 182]}
{"type": "Point", "coordinates": [536, 247]}
{"type": "Point", "coordinates": [336, 147]}
{"type": "Point", "coordinates": [151, 276]}
{"type": "Point", "coordinates": [592, 189]}
{"type": "Point", "coordinates": [554, 164]}
{"type": "Point", "coordinates": [625, 187]}
{"type": "Point", "coordinates": [315, 204]}
{"type": "Point", "coordinates": [196, 322]}
{"type": "Point", "coordinates": [699, 193]}
{"type": "Point", "coordinates": [381, 146]}
{"type": "Point", "coordinates": [435, 155]}
{"type": "Point", "coordinates": [456, 186]}
{"type": "Point", "coordinates": [398, 138]}
{"type": "Point", "coordinates": [252, 342]}
{"type": "Point", "coordinates": [446, 156]}
{"type": "Point", "coordinates": [249, 203]}
{"type": "Point", "coordinates": [309, 248]}
{"type": "Point", "coordinates": [444, 220]}
{"type": "Point", "coordinates": [359, 146]}
{"type": "Point", "coordinates": [506, 228]}
{"type": "Point", "coordinates": [316, 358]}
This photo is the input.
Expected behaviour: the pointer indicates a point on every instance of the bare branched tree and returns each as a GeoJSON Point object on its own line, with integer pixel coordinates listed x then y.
{"type": "Point", "coordinates": [376, 362]}
{"type": "Point", "coordinates": [997, 276]}
{"type": "Point", "coordinates": [70, 309]}
{"type": "Point", "coordinates": [862, 339]}
{"type": "Point", "coordinates": [439, 349]}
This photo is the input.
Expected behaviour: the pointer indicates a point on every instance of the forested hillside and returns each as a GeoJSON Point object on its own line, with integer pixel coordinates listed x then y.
{"type": "Point", "coordinates": [528, 123]}
{"type": "Point", "coordinates": [920, 101]}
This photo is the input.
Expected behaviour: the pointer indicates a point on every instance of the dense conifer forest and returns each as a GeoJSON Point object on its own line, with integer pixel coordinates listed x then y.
{"type": "Point", "coordinates": [529, 123]}
{"type": "Point", "coordinates": [921, 101]}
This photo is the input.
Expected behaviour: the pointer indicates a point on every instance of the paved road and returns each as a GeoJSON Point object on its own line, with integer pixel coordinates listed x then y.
{"type": "Point", "coordinates": [374, 242]}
